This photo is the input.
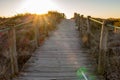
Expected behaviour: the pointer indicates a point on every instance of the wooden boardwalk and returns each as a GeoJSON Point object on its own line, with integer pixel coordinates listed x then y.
{"type": "Point", "coordinates": [59, 57]}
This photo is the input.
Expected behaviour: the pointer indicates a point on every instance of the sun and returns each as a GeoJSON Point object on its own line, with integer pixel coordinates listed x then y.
{"type": "Point", "coordinates": [38, 6]}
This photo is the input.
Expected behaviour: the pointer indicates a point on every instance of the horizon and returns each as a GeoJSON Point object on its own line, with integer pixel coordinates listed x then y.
{"type": "Point", "coordinates": [109, 8]}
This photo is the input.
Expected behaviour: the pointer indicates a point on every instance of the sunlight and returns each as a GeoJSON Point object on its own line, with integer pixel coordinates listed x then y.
{"type": "Point", "coordinates": [38, 6]}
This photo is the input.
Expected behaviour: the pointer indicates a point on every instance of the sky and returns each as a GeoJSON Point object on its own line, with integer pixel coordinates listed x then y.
{"type": "Point", "coordinates": [94, 8]}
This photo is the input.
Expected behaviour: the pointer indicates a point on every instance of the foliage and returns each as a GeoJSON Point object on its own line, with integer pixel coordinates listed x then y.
{"type": "Point", "coordinates": [114, 21]}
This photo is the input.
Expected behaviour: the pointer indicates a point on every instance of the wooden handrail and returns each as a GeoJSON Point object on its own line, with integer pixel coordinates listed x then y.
{"type": "Point", "coordinates": [12, 48]}
{"type": "Point", "coordinates": [96, 21]}
{"type": "Point", "coordinates": [5, 29]}
{"type": "Point", "coordinates": [11, 30]}
{"type": "Point", "coordinates": [113, 26]}
{"type": "Point", "coordinates": [38, 21]}
{"type": "Point", "coordinates": [109, 25]}
{"type": "Point", "coordinates": [19, 25]}
{"type": "Point", "coordinates": [89, 37]}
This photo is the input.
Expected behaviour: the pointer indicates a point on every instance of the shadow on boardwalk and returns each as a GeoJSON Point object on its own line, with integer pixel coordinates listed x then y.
{"type": "Point", "coordinates": [59, 57]}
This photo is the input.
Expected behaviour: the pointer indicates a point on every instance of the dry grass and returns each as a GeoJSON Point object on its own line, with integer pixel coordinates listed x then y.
{"type": "Point", "coordinates": [112, 71]}
{"type": "Point", "coordinates": [25, 35]}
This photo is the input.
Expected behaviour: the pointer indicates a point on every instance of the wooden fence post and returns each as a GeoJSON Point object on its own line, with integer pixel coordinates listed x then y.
{"type": "Point", "coordinates": [38, 31]}
{"type": "Point", "coordinates": [37, 34]}
{"type": "Point", "coordinates": [46, 29]}
{"type": "Point", "coordinates": [81, 24]}
{"type": "Point", "coordinates": [88, 31]}
{"type": "Point", "coordinates": [75, 17]}
{"type": "Point", "coordinates": [115, 29]}
{"type": "Point", "coordinates": [78, 22]}
{"type": "Point", "coordinates": [36, 22]}
{"type": "Point", "coordinates": [12, 48]}
{"type": "Point", "coordinates": [45, 26]}
{"type": "Point", "coordinates": [102, 49]}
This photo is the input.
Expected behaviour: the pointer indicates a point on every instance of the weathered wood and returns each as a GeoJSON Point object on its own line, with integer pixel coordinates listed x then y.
{"type": "Point", "coordinates": [12, 48]}
{"type": "Point", "coordinates": [45, 24]}
{"type": "Point", "coordinates": [78, 22]}
{"type": "Point", "coordinates": [81, 24]}
{"type": "Point", "coordinates": [36, 31]}
{"type": "Point", "coordinates": [75, 17]}
{"type": "Point", "coordinates": [46, 29]}
{"type": "Point", "coordinates": [36, 36]}
{"type": "Point", "coordinates": [88, 31]}
{"type": "Point", "coordinates": [115, 29]}
{"type": "Point", "coordinates": [88, 25]}
{"type": "Point", "coordinates": [102, 48]}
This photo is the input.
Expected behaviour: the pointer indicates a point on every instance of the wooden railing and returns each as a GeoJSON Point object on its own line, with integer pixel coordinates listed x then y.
{"type": "Point", "coordinates": [12, 46]}
{"type": "Point", "coordinates": [11, 30]}
{"type": "Point", "coordinates": [100, 37]}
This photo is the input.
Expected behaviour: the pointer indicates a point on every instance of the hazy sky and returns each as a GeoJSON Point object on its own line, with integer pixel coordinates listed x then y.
{"type": "Point", "coordinates": [96, 8]}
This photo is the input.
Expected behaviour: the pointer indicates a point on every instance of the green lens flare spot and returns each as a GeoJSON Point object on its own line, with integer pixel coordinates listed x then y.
{"type": "Point", "coordinates": [80, 70]}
